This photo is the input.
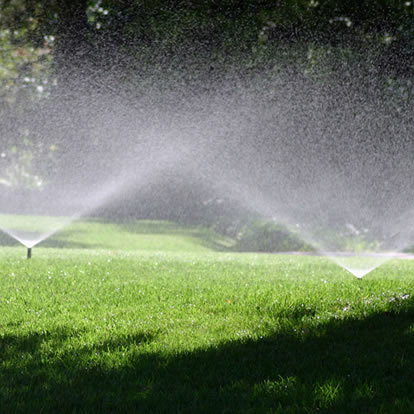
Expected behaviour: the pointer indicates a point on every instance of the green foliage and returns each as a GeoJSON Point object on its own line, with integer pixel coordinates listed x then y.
{"type": "Point", "coordinates": [25, 79]}
{"type": "Point", "coordinates": [228, 25]}
{"type": "Point", "coordinates": [24, 69]}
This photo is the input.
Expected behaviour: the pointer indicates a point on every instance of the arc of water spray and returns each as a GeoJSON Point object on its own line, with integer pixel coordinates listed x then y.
{"type": "Point", "coordinates": [358, 264]}
{"type": "Point", "coordinates": [98, 198]}
{"type": "Point", "coordinates": [29, 244]}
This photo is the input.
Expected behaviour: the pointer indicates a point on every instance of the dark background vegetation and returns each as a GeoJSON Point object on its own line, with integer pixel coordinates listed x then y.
{"type": "Point", "coordinates": [83, 28]}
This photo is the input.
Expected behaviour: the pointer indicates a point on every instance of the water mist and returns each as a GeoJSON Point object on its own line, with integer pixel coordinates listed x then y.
{"type": "Point", "coordinates": [331, 160]}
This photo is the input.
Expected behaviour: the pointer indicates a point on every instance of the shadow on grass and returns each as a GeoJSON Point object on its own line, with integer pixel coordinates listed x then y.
{"type": "Point", "coordinates": [342, 366]}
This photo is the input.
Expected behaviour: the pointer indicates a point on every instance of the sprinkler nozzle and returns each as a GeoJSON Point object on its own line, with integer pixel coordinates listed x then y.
{"type": "Point", "coordinates": [29, 252]}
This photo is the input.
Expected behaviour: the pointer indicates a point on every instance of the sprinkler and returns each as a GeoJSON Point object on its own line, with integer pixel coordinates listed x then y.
{"type": "Point", "coordinates": [29, 252]}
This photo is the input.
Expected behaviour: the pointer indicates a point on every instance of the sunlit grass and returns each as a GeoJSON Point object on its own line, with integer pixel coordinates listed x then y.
{"type": "Point", "coordinates": [113, 329]}
{"type": "Point", "coordinates": [139, 235]}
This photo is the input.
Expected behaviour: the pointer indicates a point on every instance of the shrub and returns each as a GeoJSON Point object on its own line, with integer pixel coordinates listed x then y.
{"type": "Point", "coordinates": [266, 236]}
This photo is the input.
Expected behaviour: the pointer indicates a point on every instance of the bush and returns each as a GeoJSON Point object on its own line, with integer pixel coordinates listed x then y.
{"type": "Point", "coordinates": [265, 236]}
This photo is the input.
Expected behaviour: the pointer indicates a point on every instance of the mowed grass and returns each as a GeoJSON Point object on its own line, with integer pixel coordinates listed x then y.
{"type": "Point", "coordinates": [105, 323]}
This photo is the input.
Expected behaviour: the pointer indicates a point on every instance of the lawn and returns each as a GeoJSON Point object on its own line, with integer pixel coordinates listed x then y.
{"type": "Point", "coordinates": [157, 318]}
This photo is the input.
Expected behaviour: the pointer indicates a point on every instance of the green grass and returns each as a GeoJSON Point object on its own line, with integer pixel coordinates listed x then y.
{"type": "Point", "coordinates": [144, 235]}
{"type": "Point", "coordinates": [116, 324]}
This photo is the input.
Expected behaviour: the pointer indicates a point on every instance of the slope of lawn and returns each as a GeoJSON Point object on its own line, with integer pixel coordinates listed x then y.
{"type": "Point", "coordinates": [108, 322]}
{"type": "Point", "coordinates": [137, 235]}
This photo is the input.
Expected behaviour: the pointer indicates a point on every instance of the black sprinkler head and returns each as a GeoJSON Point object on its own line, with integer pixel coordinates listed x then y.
{"type": "Point", "coordinates": [29, 252]}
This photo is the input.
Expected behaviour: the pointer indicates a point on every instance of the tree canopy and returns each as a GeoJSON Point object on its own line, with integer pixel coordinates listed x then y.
{"type": "Point", "coordinates": [213, 24]}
